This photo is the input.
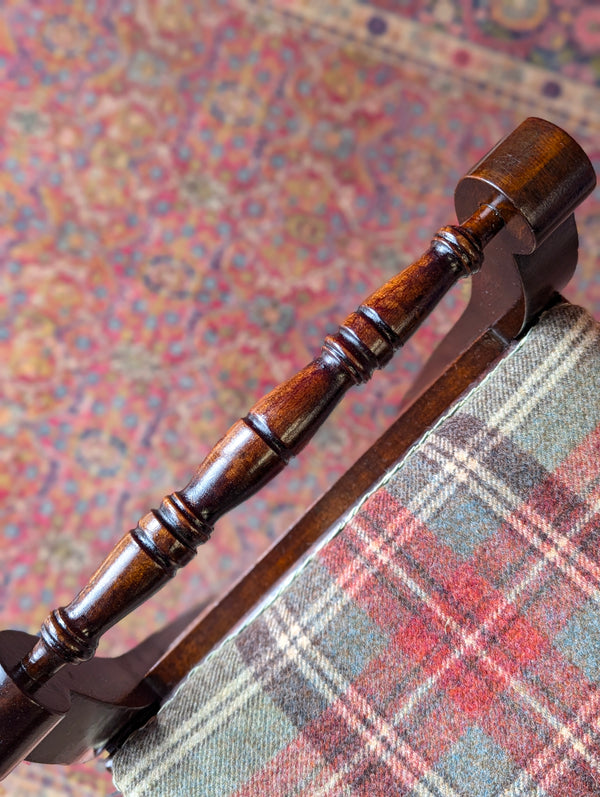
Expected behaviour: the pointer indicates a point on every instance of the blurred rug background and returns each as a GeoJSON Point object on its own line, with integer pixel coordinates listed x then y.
{"type": "Point", "coordinates": [191, 196]}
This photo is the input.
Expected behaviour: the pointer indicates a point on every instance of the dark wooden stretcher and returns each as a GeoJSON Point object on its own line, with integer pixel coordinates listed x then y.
{"type": "Point", "coordinates": [516, 238]}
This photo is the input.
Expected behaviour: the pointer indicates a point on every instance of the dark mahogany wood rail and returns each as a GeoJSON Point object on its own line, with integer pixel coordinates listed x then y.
{"type": "Point", "coordinates": [516, 202]}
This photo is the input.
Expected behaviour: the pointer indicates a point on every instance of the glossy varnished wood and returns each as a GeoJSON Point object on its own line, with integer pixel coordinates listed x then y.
{"type": "Point", "coordinates": [255, 449]}
{"type": "Point", "coordinates": [215, 623]}
{"type": "Point", "coordinates": [161, 674]}
{"type": "Point", "coordinates": [517, 201]}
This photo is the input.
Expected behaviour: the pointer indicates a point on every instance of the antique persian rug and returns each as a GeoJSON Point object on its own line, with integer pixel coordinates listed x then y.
{"type": "Point", "coordinates": [192, 194]}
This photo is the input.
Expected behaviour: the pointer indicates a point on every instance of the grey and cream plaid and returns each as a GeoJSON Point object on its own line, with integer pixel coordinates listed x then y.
{"type": "Point", "coordinates": [445, 641]}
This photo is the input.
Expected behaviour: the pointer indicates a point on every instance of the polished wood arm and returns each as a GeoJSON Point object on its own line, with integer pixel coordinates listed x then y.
{"type": "Point", "coordinates": [255, 449]}
{"type": "Point", "coordinates": [513, 201]}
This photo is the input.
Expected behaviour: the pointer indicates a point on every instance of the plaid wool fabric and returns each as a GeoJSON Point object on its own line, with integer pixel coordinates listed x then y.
{"type": "Point", "coordinates": [446, 640]}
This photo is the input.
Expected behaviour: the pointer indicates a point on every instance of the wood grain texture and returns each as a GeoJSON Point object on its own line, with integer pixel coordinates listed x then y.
{"type": "Point", "coordinates": [517, 200]}
{"type": "Point", "coordinates": [255, 449]}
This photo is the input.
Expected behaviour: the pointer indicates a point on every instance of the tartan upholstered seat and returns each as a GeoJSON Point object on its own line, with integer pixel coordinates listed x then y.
{"type": "Point", "coordinates": [446, 638]}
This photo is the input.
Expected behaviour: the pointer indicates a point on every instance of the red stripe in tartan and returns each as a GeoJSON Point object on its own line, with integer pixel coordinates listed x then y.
{"type": "Point", "coordinates": [295, 764]}
{"type": "Point", "coordinates": [557, 766]}
{"type": "Point", "coordinates": [351, 714]}
{"type": "Point", "coordinates": [580, 472]}
{"type": "Point", "coordinates": [360, 576]}
{"type": "Point", "coordinates": [509, 682]}
{"type": "Point", "coordinates": [478, 638]}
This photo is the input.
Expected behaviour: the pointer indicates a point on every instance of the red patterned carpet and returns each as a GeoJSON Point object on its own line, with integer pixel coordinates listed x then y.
{"type": "Point", "coordinates": [192, 195]}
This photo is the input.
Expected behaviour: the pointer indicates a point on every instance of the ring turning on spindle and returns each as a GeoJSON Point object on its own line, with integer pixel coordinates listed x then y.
{"type": "Point", "coordinates": [505, 200]}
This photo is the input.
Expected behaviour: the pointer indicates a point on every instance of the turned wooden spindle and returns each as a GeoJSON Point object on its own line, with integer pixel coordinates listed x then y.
{"type": "Point", "coordinates": [256, 448]}
{"type": "Point", "coordinates": [513, 200]}
{"type": "Point", "coordinates": [529, 183]}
